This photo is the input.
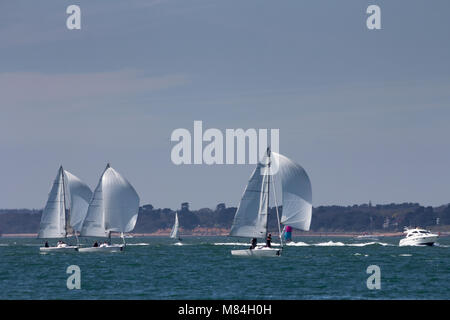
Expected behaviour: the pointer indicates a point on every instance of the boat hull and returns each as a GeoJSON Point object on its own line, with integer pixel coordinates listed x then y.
{"type": "Point", "coordinates": [418, 241]}
{"type": "Point", "coordinates": [59, 249]}
{"type": "Point", "coordinates": [111, 248]}
{"type": "Point", "coordinates": [362, 238]}
{"type": "Point", "coordinates": [257, 252]}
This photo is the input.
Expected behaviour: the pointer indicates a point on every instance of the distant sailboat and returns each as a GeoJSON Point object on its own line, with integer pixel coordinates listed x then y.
{"type": "Point", "coordinates": [174, 231]}
{"type": "Point", "coordinates": [287, 233]}
{"type": "Point", "coordinates": [65, 210]}
{"type": "Point", "coordinates": [113, 208]}
{"type": "Point", "coordinates": [252, 214]}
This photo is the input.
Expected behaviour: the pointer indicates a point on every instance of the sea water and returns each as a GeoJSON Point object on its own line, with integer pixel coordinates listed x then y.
{"type": "Point", "coordinates": [203, 268]}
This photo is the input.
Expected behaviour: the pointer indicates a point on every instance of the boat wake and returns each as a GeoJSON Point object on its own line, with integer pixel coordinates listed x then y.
{"type": "Point", "coordinates": [138, 244]}
{"type": "Point", "coordinates": [341, 244]}
{"type": "Point", "coordinates": [360, 254]}
{"type": "Point", "coordinates": [297, 244]}
{"type": "Point", "coordinates": [369, 244]}
{"type": "Point", "coordinates": [304, 244]}
{"type": "Point", "coordinates": [329, 244]}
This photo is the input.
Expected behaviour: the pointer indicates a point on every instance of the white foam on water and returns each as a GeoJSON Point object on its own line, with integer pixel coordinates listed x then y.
{"type": "Point", "coordinates": [440, 245]}
{"type": "Point", "coordinates": [405, 255]}
{"type": "Point", "coordinates": [298, 244]}
{"type": "Point", "coordinates": [329, 244]}
{"type": "Point", "coordinates": [138, 244]}
{"type": "Point", "coordinates": [368, 244]}
{"type": "Point", "coordinates": [357, 254]}
{"type": "Point", "coordinates": [178, 244]}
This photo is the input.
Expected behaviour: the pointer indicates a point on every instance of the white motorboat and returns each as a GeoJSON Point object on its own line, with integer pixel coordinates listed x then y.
{"type": "Point", "coordinates": [65, 211]}
{"type": "Point", "coordinates": [253, 210]}
{"type": "Point", "coordinates": [418, 237]}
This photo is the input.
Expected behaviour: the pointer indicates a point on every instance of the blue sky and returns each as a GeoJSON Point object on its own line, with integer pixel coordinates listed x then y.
{"type": "Point", "coordinates": [364, 112]}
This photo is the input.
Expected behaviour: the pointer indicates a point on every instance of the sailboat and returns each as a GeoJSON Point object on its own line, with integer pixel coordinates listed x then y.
{"type": "Point", "coordinates": [174, 231]}
{"type": "Point", "coordinates": [114, 208]}
{"type": "Point", "coordinates": [252, 214]}
{"type": "Point", "coordinates": [287, 233]}
{"type": "Point", "coordinates": [65, 210]}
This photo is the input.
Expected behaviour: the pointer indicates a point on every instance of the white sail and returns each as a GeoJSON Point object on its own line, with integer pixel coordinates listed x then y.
{"type": "Point", "coordinates": [251, 216]}
{"type": "Point", "coordinates": [296, 193]}
{"type": "Point", "coordinates": [114, 206]}
{"type": "Point", "coordinates": [93, 224]}
{"type": "Point", "coordinates": [66, 206]}
{"type": "Point", "coordinates": [78, 197]}
{"type": "Point", "coordinates": [53, 217]}
{"type": "Point", "coordinates": [174, 232]}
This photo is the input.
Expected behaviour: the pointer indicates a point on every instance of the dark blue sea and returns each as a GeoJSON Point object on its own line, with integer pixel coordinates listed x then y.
{"type": "Point", "coordinates": [203, 268]}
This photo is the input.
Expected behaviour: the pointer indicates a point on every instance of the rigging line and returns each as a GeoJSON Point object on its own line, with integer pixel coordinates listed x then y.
{"type": "Point", "coordinates": [278, 215]}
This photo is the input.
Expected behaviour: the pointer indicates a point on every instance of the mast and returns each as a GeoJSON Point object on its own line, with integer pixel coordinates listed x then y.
{"type": "Point", "coordinates": [268, 187]}
{"type": "Point", "coordinates": [66, 216]}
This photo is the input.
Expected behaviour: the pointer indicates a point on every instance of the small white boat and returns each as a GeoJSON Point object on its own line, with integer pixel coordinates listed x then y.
{"type": "Point", "coordinates": [104, 248]}
{"type": "Point", "coordinates": [174, 231]}
{"type": "Point", "coordinates": [418, 237]}
{"type": "Point", "coordinates": [367, 237]}
{"type": "Point", "coordinates": [251, 216]}
{"type": "Point", "coordinates": [259, 251]}
{"type": "Point", "coordinates": [59, 248]}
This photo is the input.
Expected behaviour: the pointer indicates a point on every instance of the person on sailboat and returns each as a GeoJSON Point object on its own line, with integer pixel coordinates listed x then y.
{"type": "Point", "coordinates": [269, 240]}
{"type": "Point", "coordinates": [253, 245]}
{"type": "Point", "coordinates": [46, 244]}
{"type": "Point", "coordinates": [95, 244]}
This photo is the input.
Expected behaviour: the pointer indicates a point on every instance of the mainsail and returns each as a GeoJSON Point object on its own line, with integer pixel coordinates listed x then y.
{"type": "Point", "coordinates": [174, 232]}
{"type": "Point", "coordinates": [296, 193]}
{"type": "Point", "coordinates": [66, 206]}
{"type": "Point", "coordinates": [251, 216]}
{"type": "Point", "coordinates": [114, 206]}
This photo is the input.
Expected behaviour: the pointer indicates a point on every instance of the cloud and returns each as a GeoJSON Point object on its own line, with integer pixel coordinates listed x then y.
{"type": "Point", "coordinates": [22, 88]}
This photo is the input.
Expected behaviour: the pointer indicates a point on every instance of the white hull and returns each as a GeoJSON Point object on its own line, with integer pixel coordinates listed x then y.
{"type": "Point", "coordinates": [419, 241]}
{"type": "Point", "coordinates": [367, 237]}
{"type": "Point", "coordinates": [59, 249]}
{"type": "Point", "coordinates": [257, 252]}
{"type": "Point", "coordinates": [111, 248]}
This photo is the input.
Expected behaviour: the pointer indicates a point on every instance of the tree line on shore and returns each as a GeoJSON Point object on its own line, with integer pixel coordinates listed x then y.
{"type": "Point", "coordinates": [356, 218]}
